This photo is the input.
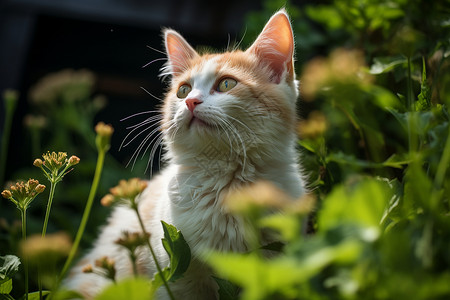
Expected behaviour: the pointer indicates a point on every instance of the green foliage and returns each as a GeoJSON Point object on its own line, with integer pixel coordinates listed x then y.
{"type": "Point", "coordinates": [131, 289]}
{"type": "Point", "coordinates": [179, 256]}
{"type": "Point", "coordinates": [178, 250]}
{"type": "Point", "coordinates": [375, 142]}
{"type": "Point", "coordinates": [9, 265]}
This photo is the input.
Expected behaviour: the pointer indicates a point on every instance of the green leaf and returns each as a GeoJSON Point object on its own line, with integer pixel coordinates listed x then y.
{"type": "Point", "coordinates": [179, 256]}
{"type": "Point", "coordinates": [397, 161]}
{"type": "Point", "coordinates": [129, 289]}
{"type": "Point", "coordinates": [423, 102]}
{"type": "Point", "coordinates": [178, 250]}
{"type": "Point", "coordinates": [325, 14]}
{"type": "Point", "coordinates": [289, 226]}
{"type": "Point", "coordinates": [361, 202]}
{"type": "Point", "coordinates": [262, 279]}
{"type": "Point", "coordinates": [63, 294]}
{"type": "Point", "coordinates": [157, 281]}
{"type": "Point", "coordinates": [227, 290]}
{"type": "Point", "coordinates": [6, 287]}
{"type": "Point", "coordinates": [386, 64]}
{"type": "Point", "coordinates": [9, 265]}
{"type": "Point", "coordinates": [6, 297]}
{"type": "Point", "coordinates": [418, 187]}
{"type": "Point", "coordinates": [36, 296]}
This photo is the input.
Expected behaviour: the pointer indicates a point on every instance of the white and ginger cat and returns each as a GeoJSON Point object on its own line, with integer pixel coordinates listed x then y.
{"type": "Point", "coordinates": [229, 120]}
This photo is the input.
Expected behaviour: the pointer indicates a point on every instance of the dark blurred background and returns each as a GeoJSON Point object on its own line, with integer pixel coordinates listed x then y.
{"type": "Point", "coordinates": [108, 37]}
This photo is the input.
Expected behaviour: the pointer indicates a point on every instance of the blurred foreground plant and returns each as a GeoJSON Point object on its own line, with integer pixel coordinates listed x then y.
{"type": "Point", "coordinates": [103, 140]}
{"type": "Point", "coordinates": [22, 194]}
{"type": "Point", "coordinates": [127, 193]}
{"type": "Point", "coordinates": [55, 166]}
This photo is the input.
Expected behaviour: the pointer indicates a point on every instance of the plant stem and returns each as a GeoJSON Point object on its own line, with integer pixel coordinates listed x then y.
{"type": "Point", "coordinates": [409, 87]}
{"type": "Point", "coordinates": [87, 211]}
{"type": "Point", "coordinates": [412, 118]}
{"type": "Point", "coordinates": [440, 172]}
{"type": "Point", "coordinates": [24, 237]}
{"type": "Point", "coordinates": [54, 180]}
{"type": "Point", "coordinates": [133, 261]}
{"type": "Point", "coordinates": [158, 267]}
{"type": "Point", "coordinates": [49, 205]}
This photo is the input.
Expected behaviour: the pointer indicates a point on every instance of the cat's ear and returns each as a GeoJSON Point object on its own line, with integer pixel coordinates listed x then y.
{"type": "Point", "coordinates": [179, 52]}
{"type": "Point", "coordinates": [275, 46]}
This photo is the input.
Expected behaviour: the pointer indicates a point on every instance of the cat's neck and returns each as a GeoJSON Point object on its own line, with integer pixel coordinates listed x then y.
{"type": "Point", "coordinates": [215, 173]}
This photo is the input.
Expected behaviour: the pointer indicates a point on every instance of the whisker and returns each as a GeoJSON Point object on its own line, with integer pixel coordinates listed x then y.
{"type": "Point", "coordinates": [154, 49]}
{"type": "Point", "coordinates": [236, 47]}
{"type": "Point", "coordinates": [239, 139]}
{"type": "Point", "coordinates": [152, 152]}
{"type": "Point", "coordinates": [137, 135]}
{"type": "Point", "coordinates": [148, 120]}
{"type": "Point", "coordinates": [155, 60]}
{"type": "Point", "coordinates": [140, 113]}
{"type": "Point", "coordinates": [138, 150]}
{"type": "Point", "coordinates": [159, 99]}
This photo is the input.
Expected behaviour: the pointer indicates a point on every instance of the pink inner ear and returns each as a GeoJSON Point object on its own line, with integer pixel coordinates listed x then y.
{"type": "Point", "coordinates": [179, 51]}
{"type": "Point", "coordinates": [275, 46]}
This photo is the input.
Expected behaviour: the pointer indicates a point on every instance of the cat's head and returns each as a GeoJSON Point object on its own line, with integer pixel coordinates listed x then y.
{"type": "Point", "coordinates": [238, 103]}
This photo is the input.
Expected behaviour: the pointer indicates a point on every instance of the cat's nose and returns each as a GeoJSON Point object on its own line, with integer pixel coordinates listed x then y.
{"type": "Point", "coordinates": [191, 103]}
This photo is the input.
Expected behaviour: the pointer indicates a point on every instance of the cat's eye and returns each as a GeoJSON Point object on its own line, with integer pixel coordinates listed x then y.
{"type": "Point", "coordinates": [226, 84]}
{"type": "Point", "coordinates": [183, 91]}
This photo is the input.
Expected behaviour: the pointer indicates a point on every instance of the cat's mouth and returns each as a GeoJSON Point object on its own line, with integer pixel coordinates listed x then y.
{"type": "Point", "coordinates": [197, 122]}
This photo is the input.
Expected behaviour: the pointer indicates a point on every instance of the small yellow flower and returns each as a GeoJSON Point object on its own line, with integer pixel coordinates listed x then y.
{"type": "Point", "coordinates": [341, 67]}
{"type": "Point", "coordinates": [40, 188]}
{"type": "Point", "coordinates": [256, 196]}
{"type": "Point", "coordinates": [103, 129]}
{"type": "Point", "coordinates": [108, 267]}
{"type": "Point", "coordinates": [67, 85]}
{"type": "Point", "coordinates": [23, 193]}
{"type": "Point", "coordinates": [126, 192]}
{"type": "Point", "coordinates": [87, 269]}
{"type": "Point", "coordinates": [315, 125]}
{"type": "Point", "coordinates": [55, 165]}
{"type": "Point", "coordinates": [104, 133]}
{"type": "Point", "coordinates": [132, 240]}
{"type": "Point", "coordinates": [35, 122]}
{"type": "Point", "coordinates": [38, 163]}
{"type": "Point", "coordinates": [73, 160]}
{"type": "Point", "coordinates": [129, 188]}
{"type": "Point", "coordinates": [107, 200]}
{"type": "Point", "coordinates": [54, 160]}
{"type": "Point", "coordinates": [40, 250]}
{"type": "Point", "coordinates": [6, 194]}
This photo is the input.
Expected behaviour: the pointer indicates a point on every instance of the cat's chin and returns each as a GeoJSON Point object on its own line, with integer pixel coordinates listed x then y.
{"type": "Point", "coordinates": [196, 122]}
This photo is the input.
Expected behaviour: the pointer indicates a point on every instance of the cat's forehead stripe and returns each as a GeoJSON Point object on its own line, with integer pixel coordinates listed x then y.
{"type": "Point", "coordinates": [206, 72]}
{"type": "Point", "coordinates": [210, 66]}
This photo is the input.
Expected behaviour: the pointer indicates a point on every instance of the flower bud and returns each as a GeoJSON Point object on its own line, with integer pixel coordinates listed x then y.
{"type": "Point", "coordinates": [40, 188]}
{"type": "Point", "coordinates": [87, 269]}
{"type": "Point", "coordinates": [73, 160]}
{"type": "Point", "coordinates": [103, 129]}
{"type": "Point", "coordinates": [38, 162]}
{"type": "Point", "coordinates": [107, 200]}
{"type": "Point", "coordinates": [6, 194]}
{"type": "Point", "coordinates": [103, 138]}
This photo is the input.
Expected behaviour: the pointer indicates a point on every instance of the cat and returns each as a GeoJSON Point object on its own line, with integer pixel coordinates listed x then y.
{"type": "Point", "coordinates": [228, 120]}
